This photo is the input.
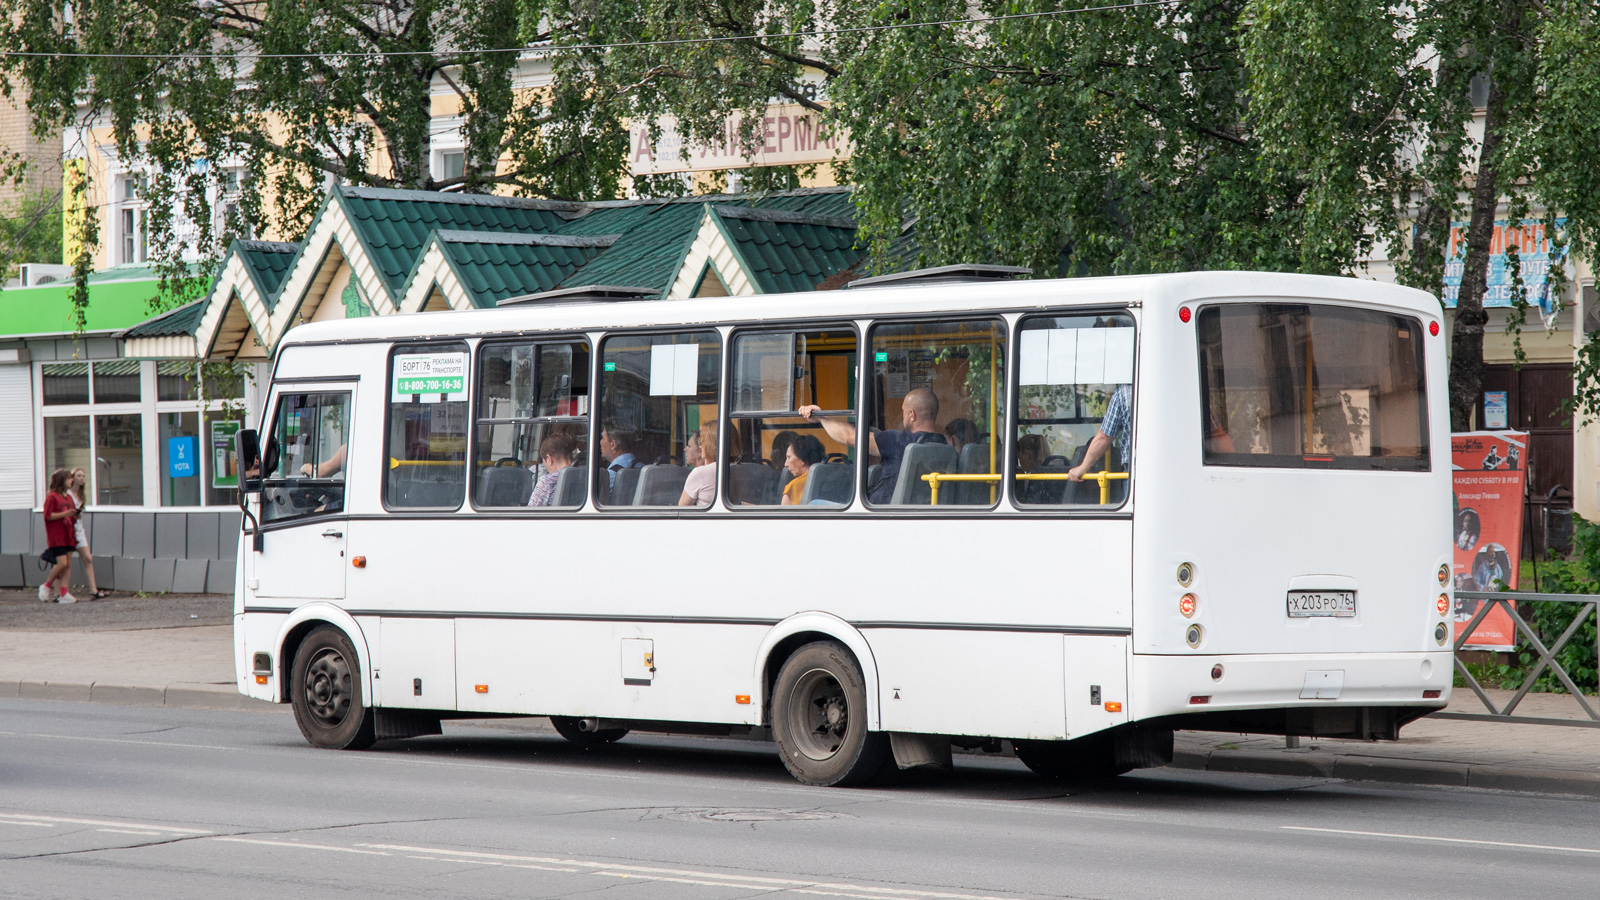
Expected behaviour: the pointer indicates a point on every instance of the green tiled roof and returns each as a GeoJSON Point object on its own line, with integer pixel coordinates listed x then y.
{"type": "Point", "coordinates": [394, 225]}
{"type": "Point", "coordinates": [113, 306]}
{"type": "Point", "coordinates": [185, 320]}
{"type": "Point", "coordinates": [496, 266]}
{"type": "Point", "coordinates": [652, 239]}
{"type": "Point", "coordinates": [268, 261]}
{"type": "Point", "coordinates": [785, 251]}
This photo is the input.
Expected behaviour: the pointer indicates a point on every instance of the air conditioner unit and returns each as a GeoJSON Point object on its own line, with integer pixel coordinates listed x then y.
{"type": "Point", "coordinates": [35, 274]}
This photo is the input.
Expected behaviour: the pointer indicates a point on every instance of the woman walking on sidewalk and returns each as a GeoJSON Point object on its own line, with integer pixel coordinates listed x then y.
{"type": "Point", "coordinates": [60, 513]}
{"type": "Point", "coordinates": [79, 488]}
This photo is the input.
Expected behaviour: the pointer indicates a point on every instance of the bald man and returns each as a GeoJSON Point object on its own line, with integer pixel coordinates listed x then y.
{"type": "Point", "coordinates": [920, 413]}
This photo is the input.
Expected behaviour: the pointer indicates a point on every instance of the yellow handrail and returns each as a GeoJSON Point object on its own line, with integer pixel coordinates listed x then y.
{"type": "Point", "coordinates": [397, 463]}
{"type": "Point", "coordinates": [1103, 478]}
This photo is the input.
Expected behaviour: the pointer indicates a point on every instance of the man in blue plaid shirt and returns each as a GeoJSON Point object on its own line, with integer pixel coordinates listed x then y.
{"type": "Point", "coordinates": [1115, 430]}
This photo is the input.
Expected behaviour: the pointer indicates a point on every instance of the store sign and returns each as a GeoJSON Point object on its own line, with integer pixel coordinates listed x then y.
{"type": "Point", "coordinates": [1535, 253]}
{"type": "Point", "coordinates": [181, 453]}
{"type": "Point", "coordinates": [787, 135]}
{"type": "Point", "coordinates": [430, 377]}
{"type": "Point", "coordinates": [1489, 472]}
{"type": "Point", "coordinates": [224, 471]}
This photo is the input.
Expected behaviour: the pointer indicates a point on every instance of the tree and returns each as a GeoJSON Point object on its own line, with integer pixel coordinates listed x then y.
{"type": "Point", "coordinates": [1369, 101]}
{"type": "Point", "coordinates": [31, 231]}
{"type": "Point", "coordinates": [297, 93]}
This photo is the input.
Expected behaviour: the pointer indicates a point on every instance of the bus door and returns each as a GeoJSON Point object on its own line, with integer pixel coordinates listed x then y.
{"type": "Point", "coordinates": [303, 516]}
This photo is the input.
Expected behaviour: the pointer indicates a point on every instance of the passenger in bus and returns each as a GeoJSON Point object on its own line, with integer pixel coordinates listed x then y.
{"type": "Point", "coordinates": [1031, 451]}
{"type": "Point", "coordinates": [616, 448]}
{"type": "Point", "coordinates": [780, 448]}
{"type": "Point", "coordinates": [919, 410]}
{"type": "Point", "coordinates": [961, 432]}
{"type": "Point", "coordinates": [804, 452]}
{"type": "Point", "coordinates": [1115, 429]}
{"type": "Point", "coordinates": [701, 485]}
{"type": "Point", "coordinates": [556, 451]}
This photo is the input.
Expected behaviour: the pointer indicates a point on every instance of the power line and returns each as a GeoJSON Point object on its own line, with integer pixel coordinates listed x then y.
{"type": "Point", "coordinates": [626, 45]}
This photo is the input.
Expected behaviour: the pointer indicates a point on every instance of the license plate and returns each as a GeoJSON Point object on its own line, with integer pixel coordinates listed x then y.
{"type": "Point", "coordinates": [1304, 604]}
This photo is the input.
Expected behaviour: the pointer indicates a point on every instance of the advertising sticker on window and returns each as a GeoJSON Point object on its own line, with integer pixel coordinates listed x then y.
{"type": "Point", "coordinates": [429, 378]}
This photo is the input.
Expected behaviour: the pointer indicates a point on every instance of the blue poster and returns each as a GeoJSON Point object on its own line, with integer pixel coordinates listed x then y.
{"type": "Point", "coordinates": [1535, 251]}
{"type": "Point", "coordinates": [181, 454]}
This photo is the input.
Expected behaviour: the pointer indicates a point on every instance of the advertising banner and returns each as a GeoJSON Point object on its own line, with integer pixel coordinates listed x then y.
{"type": "Point", "coordinates": [1535, 253]}
{"type": "Point", "coordinates": [224, 474]}
{"type": "Point", "coordinates": [787, 135]}
{"type": "Point", "coordinates": [1489, 470]}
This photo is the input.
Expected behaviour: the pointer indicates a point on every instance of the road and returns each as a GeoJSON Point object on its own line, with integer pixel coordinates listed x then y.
{"type": "Point", "coordinates": [110, 801]}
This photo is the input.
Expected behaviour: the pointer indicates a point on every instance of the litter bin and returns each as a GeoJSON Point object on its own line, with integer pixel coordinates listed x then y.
{"type": "Point", "coordinates": [1558, 520]}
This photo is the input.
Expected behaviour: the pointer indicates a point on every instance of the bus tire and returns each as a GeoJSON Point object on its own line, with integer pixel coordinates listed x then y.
{"type": "Point", "coordinates": [819, 718]}
{"type": "Point", "coordinates": [567, 727]}
{"type": "Point", "coordinates": [325, 691]}
{"type": "Point", "coordinates": [1093, 756]}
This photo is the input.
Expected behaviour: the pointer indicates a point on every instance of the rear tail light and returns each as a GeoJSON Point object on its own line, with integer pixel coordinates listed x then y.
{"type": "Point", "coordinates": [1193, 635]}
{"type": "Point", "coordinates": [1187, 604]}
{"type": "Point", "coordinates": [1431, 695]}
{"type": "Point", "coordinates": [1440, 634]}
{"type": "Point", "coordinates": [1442, 604]}
{"type": "Point", "coordinates": [1444, 574]}
{"type": "Point", "coordinates": [1200, 700]}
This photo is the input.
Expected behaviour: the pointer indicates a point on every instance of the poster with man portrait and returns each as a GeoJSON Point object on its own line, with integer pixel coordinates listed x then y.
{"type": "Point", "coordinates": [1489, 470]}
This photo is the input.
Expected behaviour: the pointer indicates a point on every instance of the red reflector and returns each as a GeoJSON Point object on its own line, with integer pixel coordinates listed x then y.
{"type": "Point", "coordinates": [1317, 458]}
{"type": "Point", "coordinates": [1433, 328]}
{"type": "Point", "coordinates": [1431, 695]}
{"type": "Point", "coordinates": [1200, 700]}
{"type": "Point", "coordinates": [1184, 314]}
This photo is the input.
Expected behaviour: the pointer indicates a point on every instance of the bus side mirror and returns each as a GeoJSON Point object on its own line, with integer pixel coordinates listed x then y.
{"type": "Point", "coordinates": [247, 453]}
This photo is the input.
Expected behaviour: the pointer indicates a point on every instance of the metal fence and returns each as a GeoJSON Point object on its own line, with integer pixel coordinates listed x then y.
{"type": "Point", "coordinates": [1588, 605]}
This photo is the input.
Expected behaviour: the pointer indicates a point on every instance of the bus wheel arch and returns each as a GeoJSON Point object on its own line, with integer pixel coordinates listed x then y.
{"type": "Point", "coordinates": [808, 627]}
{"type": "Point", "coordinates": [307, 619]}
{"type": "Point", "coordinates": [330, 707]}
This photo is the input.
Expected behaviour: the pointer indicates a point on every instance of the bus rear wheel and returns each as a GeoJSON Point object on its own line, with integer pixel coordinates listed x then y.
{"type": "Point", "coordinates": [819, 718]}
{"type": "Point", "coordinates": [1093, 756]}
{"type": "Point", "coordinates": [325, 691]}
{"type": "Point", "coordinates": [569, 728]}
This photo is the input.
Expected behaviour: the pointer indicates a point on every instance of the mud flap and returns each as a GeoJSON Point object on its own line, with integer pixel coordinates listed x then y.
{"type": "Point", "coordinates": [914, 750]}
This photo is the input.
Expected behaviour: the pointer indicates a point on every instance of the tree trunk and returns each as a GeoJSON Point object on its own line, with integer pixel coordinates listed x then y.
{"type": "Point", "coordinates": [1466, 342]}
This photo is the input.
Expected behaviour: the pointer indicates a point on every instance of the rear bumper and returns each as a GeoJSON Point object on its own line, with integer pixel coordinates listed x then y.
{"type": "Point", "coordinates": [1171, 685]}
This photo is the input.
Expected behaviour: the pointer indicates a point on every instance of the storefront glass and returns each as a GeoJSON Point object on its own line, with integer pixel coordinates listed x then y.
{"type": "Point", "coordinates": [66, 446]}
{"type": "Point", "coordinates": [177, 380]}
{"type": "Point", "coordinates": [65, 383]}
{"type": "Point", "coordinates": [180, 449]}
{"type": "Point", "coordinates": [216, 445]}
{"type": "Point", "coordinates": [119, 461]}
{"type": "Point", "coordinates": [116, 381]}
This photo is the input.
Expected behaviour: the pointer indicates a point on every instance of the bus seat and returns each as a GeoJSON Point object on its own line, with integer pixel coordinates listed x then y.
{"type": "Point", "coordinates": [974, 461]}
{"type": "Point", "coordinates": [571, 486]}
{"type": "Point", "coordinates": [919, 460]}
{"type": "Point", "coordinates": [505, 486]}
{"type": "Point", "coordinates": [624, 487]}
{"type": "Point", "coordinates": [873, 472]}
{"type": "Point", "coordinates": [1052, 492]}
{"type": "Point", "coordinates": [659, 485]}
{"type": "Point", "coordinates": [828, 482]}
{"type": "Point", "coordinates": [417, 492]}
{"type": "Point", "coordinates": [784, 477]}
{"type": "Point", "coordinates": [752, 482]}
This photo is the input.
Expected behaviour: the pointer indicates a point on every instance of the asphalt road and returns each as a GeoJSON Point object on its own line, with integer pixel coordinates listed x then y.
{"type": "Point", "coordinates": [107, 801]}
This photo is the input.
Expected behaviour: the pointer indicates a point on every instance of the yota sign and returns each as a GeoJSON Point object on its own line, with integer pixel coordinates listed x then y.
{"type": "Point", "coordinates": [429, 377]}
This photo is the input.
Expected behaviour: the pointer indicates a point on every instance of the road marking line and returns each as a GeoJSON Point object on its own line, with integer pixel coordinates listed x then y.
{"type": "Point", "coordinates": [20, 818]}
{"type": "Point", "coordinates": [664, 874]}
{"type": "Point", "coordinates": [4, 821]}
{"type": "Point", "coordinates": [1443, 840]}
{"type": "Point", "coordinates": [126, 831]}
{"type": "Point", "coordinates": [239, 840]}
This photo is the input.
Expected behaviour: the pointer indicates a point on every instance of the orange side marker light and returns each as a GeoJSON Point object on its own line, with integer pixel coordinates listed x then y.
{"type": "Point", "coordinates": [1113, 706]}
{"type": "Point", "coordinates": [359, 562]}
{"type": "Point", "coordinates": [481, 688]}
{"type": "Point", "coordinates": [741, 699]}
{"type": "Point", "coordinates": [261, 679]}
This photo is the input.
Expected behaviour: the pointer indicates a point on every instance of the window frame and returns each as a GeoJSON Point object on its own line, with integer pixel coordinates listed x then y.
{"type": "Point", "coordinates": [294, 388]}
{"type": "Point", "coordinates": [727, 415]}
{"type": "Point", "coordinates": [866, 384]}
{"type": "Point", "coordinates": [412, 346]}
{"type": "Point", "coordinates": [597, 419]}
{"type": "Point", "coordinates": [1015, 414]}
{"type": "Point", "coordinates": [475, 394]}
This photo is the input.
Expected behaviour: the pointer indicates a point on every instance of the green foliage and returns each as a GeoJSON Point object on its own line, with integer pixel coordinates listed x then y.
{"type": "Point", "coordinates": [1550, 620]}
{"type": "Point", "coordinates": [30, 231]}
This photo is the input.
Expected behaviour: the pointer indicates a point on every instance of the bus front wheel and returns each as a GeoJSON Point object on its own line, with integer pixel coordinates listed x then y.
{"type": "Point", "coordinates": [325, 690]}
{"type": "Point", "coordinates": [819, 718]}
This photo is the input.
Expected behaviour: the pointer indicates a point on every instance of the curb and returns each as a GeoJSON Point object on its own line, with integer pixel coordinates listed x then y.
{"type": "Point", "coordinates": [1394, 771]}
{"type": "Point", "coordinates": [172, 696]}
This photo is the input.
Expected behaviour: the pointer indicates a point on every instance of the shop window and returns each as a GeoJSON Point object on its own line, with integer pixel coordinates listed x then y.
{"type": "Point", "coordinates": [66, 446]}
{"type": "Point", "coordinates": [119, 460]}
{"type": "Point", "coordinates": [116, 381]}
{"type": "Point", "coordinates": [221, 476]}
{"type": "Point", "coordinates": [180, 457]}
{"type": "Point", "coordinates": [65, 384]}
{"type": "Point", "coordinates": [176, 380]}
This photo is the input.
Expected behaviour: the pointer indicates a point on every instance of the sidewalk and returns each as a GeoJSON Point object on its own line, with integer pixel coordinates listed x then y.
{"type": "Point", "coordinates": [177, 650]}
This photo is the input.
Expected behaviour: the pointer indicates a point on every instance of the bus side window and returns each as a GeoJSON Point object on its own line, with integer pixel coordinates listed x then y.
{"type": "Point", "coordinates": [1075, 382]}
{"type": "Point", "coordinates": [657, 392]}
{"type": "Point", "coordinates": [937, 395]}
{"type": "Point", "coordinates": [312, 434]}
{"type": "Point", "coordinates": [776, 457]}
{"type": "Point", "coordinates": [425, 448]}
{"type": "Point", "coordinates": [532, 436]}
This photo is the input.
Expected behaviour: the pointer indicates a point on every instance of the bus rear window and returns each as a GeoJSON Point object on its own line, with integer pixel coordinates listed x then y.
{"type": "Point", "coordinates": [1312, 386]}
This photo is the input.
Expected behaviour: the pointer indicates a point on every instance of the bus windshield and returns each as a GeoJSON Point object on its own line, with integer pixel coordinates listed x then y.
{"type": "Point", "coordinates": [1312, 386]}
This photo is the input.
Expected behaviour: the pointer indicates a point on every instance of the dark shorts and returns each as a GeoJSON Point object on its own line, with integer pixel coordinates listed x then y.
{"type": "Point", "coordinates": [54, 554]}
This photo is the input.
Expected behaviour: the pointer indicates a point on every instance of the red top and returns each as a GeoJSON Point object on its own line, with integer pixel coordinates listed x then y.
{"type": "Point", "coordinates": [59, 533]}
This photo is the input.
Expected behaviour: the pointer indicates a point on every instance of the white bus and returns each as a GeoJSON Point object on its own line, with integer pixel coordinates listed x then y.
{"type": "Point", "coordinates": [1070, 514]}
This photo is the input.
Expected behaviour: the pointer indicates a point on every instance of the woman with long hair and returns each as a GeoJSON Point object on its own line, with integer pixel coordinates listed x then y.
{"type": "Point", "coordinates": [78, 485]}
{"type": "Point", "coordinates": [60, 512]}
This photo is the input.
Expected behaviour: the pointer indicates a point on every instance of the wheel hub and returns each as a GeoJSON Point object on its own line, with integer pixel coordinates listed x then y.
{"type": "Point", "coordinates": [328, 687]}
{"type": "Point", "coordinates": [819, 714]}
